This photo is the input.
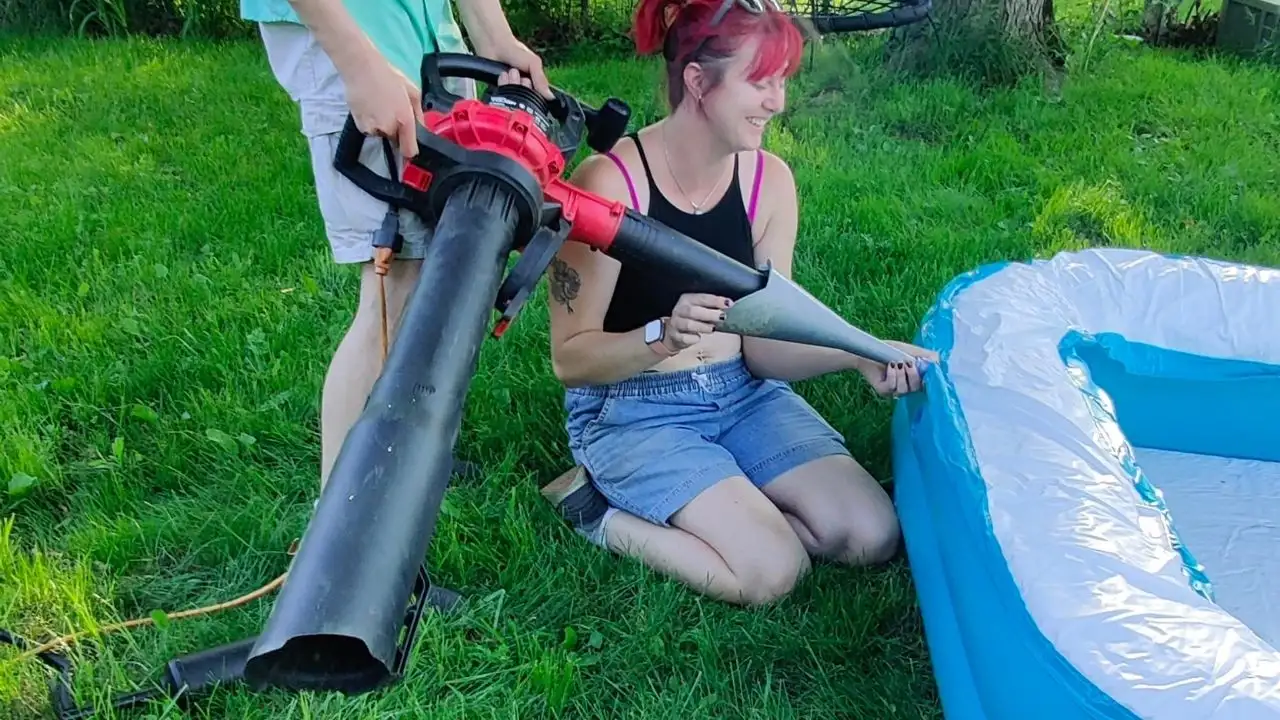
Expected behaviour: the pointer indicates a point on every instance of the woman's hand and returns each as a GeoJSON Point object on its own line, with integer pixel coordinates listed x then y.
{"type": "Point", "coordinates": [513, 77]}
{"type": "Point", "coordinates": [491, 37]}
{"type": "Point", "coordinates": [518, 55]}
{"type": "Point", "coordinates": [385, 103]}
{"type": "Point", "coordinates": [897, 379]}
{"type": "Point", "coordinates": [695, 315]}
{"type": "Point", "coordinates": [382, 100]}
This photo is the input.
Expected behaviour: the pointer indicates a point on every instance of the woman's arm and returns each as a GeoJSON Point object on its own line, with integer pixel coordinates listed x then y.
{"type": "Point", "coordinates": [778, 359]}
{"type": "Point", "coordinates": [337, 32]}
{"type": "Point", "coordinates": [383, 101]}
{"type": "Point", "coordinates": [492, 38]}
{"type": "Point", "coordinates": [581, 282]}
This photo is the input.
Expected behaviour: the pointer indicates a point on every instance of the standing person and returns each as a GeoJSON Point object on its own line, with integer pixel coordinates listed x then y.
{"type": "Point", "coordinates": [694, 454]}
{"type": "Point", "coordinates": [362, 57]}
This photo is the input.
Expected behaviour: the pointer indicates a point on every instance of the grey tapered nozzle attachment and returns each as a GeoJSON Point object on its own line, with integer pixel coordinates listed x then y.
{"type": "Point", "coordinates": [782, 310]}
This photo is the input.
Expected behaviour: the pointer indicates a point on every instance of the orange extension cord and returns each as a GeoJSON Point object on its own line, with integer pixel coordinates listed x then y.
{"type": "Point", "coordinates": [382, 265]}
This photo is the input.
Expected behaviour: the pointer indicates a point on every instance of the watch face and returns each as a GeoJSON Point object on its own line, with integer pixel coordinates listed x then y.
{"type": "Point", "coordinates": [653, 331]}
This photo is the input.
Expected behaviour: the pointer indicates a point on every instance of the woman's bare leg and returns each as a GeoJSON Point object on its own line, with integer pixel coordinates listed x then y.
{"type": "Point", "coordinates": [838, 511]}
{"type": "Point", "coordinates": [730, 543]}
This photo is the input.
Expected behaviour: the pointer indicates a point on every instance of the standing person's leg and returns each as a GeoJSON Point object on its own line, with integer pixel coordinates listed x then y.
{"type": "Point", "coordinates": [351, 217]}
{"type": "Point", "coordinates": [358, 360]}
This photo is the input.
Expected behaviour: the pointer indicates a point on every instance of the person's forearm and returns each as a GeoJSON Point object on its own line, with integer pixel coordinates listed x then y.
{"type": "Point", "coordinates": [486, 24]}
{"type": "Point", "coordinates": [337, 32]}
{"type": "Point", "coordinates": [792, 362]}
{"type": "Point", "coordinates": [598, 358]}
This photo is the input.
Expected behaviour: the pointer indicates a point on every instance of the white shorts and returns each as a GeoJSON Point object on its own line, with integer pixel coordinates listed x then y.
{"type": "Point", "coordinates": [351, 216]}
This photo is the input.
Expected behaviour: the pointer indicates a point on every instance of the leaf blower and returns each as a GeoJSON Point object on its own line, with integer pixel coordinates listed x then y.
{"type": "Point", "coordinates": [487, 180]}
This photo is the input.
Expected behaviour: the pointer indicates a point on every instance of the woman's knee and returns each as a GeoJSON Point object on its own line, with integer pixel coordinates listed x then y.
{"type": "Point", "coordinates": [778, 561]}
{"type": "Point", "coordinates": [876, 541]}
{"type": "Point", "coordinates": [849, 517]}
{"type": "Point", "coordinates": [772, 575]}
{"type": "Point", "coordinates": [751, 536]}
{"type": "Point", "coordinates": [866, 539]}
{"type": "Point", "coordinates": [860, 532]}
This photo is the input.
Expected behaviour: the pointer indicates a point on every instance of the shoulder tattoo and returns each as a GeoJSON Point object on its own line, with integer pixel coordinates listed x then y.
{"type": "Point", "coordinates": [564, 283]}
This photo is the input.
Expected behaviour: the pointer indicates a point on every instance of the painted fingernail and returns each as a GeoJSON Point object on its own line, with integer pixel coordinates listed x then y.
{"type": "Point", "coordinates": [722, 316]}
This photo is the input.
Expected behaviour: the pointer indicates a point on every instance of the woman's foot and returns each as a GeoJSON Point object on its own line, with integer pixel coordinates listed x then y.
{"type": "Point", "coordinates": [580, 504]}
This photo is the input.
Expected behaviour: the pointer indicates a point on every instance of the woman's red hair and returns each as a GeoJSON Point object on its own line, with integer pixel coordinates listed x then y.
{"type": "Point", "coordinates": [680, 29]}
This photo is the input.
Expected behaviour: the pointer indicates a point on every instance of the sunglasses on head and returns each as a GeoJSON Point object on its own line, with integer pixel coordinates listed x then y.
{"type": "Point", "coordinates": [755, 7]}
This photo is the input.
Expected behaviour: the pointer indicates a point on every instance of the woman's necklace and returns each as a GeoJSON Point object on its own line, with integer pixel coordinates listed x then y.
{"type": "Point", "coordinates": [666, 152]}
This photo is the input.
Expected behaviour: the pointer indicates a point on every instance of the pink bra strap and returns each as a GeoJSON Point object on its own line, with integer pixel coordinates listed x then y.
{"type": "Point", "coordinates": [755, 186]}
{"type": "Point", "coordinates": [635, 200]}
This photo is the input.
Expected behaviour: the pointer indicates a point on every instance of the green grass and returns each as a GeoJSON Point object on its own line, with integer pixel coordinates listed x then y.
{"type": "Point", "coordinates": [167, 310]}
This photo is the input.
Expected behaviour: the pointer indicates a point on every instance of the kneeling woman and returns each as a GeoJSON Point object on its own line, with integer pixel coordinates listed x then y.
{"type": "Point", "coordinates": [712, 470]}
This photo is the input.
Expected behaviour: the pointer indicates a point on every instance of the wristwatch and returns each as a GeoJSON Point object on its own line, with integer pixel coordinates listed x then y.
{"type": "Point", "coordinates": [654, 331]}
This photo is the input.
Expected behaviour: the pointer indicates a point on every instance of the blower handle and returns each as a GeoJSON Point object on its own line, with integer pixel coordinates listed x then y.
{"type": "Point", "coordinates": [603, 125]}
{"type": "Point", "coordinates": [347, 161]}
{"type": "Point", "coordinates": [438, 66]}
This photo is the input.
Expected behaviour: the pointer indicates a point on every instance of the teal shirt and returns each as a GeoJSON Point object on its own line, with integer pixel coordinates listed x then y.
{"type": "Point", "coordinates": [403, 30]}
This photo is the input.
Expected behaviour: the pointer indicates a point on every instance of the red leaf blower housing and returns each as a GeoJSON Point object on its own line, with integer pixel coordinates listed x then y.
{"type": "Point", "coordinates": [510, 137]}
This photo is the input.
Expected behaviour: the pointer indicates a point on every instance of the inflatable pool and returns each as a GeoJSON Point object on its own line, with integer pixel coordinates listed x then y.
{"type": "Point", "coordinates": [1089, 489]}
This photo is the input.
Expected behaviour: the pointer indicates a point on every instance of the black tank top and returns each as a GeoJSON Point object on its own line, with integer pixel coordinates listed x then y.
{"type": "Point", "coordinates": [642, 295]}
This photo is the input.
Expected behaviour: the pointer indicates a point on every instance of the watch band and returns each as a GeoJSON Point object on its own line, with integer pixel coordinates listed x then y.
{"type": "Point", "coordinates": [659, 347]}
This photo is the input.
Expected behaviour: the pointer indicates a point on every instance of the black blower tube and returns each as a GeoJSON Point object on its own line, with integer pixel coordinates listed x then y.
{"type": "Point", "coordinates": [641, 240]}
{"type": "Point", "coordinates": [337, 621]}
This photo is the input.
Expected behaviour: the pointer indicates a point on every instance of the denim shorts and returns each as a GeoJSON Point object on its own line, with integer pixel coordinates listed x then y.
{"type": "Point", "coordinates": [653, 442]}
